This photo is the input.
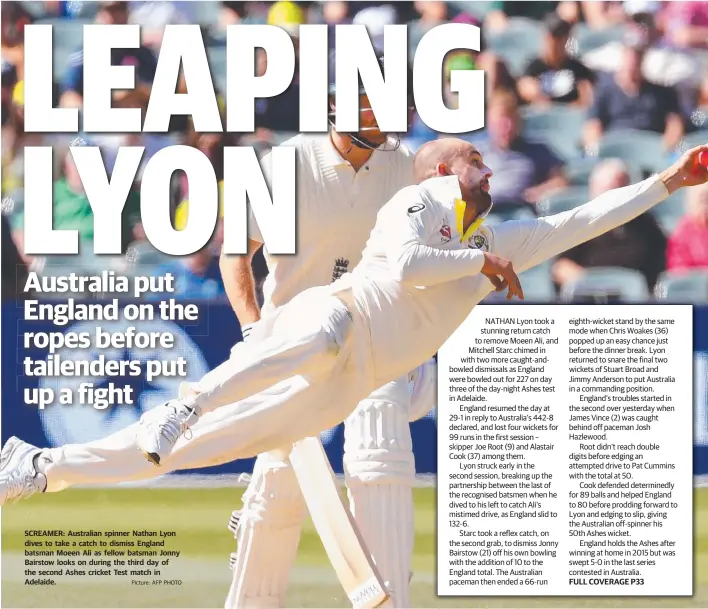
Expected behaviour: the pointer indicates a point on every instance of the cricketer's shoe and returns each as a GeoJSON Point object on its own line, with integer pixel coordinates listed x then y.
{"type": "Point", "coordinates": [19, 477]}
{"type": "Point", "coordinates": [161, 427]}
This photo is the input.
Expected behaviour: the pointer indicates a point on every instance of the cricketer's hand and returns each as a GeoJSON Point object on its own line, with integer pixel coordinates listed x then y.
{"type": "Point", "coordinates": [687, 171]}
{"type": "Point", "coordinates": [501, 273]}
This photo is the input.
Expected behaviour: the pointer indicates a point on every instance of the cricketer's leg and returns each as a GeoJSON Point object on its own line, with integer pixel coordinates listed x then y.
{"type": "Point", "coordinates": [285, 413]}
{"type": "Point", "coordinates": [311, 337]}
{"type": "Point", "coordinates": [379, 470]}
{"type": "Point", "coordinates": [275, 493]}
{"type": "Point", "coordinates": [267, 531]}
{"type": "Point", "coordinates": [274, 507]}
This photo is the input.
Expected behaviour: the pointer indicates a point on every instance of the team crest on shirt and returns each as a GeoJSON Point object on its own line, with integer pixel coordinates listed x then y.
{"type": "Point", "coordinates": [445, 233]}
{"type": "Point", "coordinates": [480, 242]}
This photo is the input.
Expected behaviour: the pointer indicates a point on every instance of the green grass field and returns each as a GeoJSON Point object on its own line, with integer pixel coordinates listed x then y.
{"type": "Point", "coordinates": [199, 516]}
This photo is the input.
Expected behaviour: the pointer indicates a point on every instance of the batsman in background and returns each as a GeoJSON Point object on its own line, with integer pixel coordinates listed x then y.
{"type": "Point", "coordinates": [343, 181]}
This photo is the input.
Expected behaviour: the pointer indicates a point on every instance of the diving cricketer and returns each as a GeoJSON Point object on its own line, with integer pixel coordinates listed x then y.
{"type": "Point", "coordinates": [343, 181]}
{"type": "Point", "coordinates": [427, 264]}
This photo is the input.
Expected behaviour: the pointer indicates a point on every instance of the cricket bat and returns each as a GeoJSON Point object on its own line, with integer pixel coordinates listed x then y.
{"type": "Point", "coordinates": [336, 527]}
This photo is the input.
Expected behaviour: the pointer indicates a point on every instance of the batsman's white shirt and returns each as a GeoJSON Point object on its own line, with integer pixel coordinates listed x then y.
{"type": "Point", "coordinates": [419, 275]}
{"type": "Point", "coordinates": [336, 208]}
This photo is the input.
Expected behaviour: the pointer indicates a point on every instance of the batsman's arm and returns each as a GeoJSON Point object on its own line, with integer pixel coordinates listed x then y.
{"type": "Point", "coordinates": [408, 226]}
{"type": "Point", "coordinates": [240, 285]}
{"type": "Point", "coordinates": [529, 243]}
{"type": "Point", "coordinates": [237, 271]}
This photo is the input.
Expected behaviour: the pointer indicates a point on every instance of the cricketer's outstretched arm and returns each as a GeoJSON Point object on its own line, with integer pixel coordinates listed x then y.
{"type": "Point", "coordinates": [237, 271]}
{"type": "Point", "coordinates": [527, 243]}
{"type": "Point", "coordinates": [408, 228]}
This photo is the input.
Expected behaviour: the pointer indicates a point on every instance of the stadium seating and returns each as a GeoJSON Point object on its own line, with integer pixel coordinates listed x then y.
{"type": "Point", "coordinates": [34, 8]}
{"type": "Point", "coordinates": [64, 263]}
{"type": "Point", "coordinates": [697, 138]}
{"type": "Point", "coordinates": [669, 212]}
{"type": "Point", "coordinates": [214, 37]}
{"type": "Point", "coordinates": [143, 254]}
{"type": "Point", "coordinates": [560, 126]}
{"type": "Point", "coordinates": [688, 287]}
{"type": "Point", "coordinates": [86, 260]}
{"type": "Point", "coordinates": [80, 9]}
{"type": "Point", "coordinates": [702, 118]}
{"type": "Point", "coordinates": [66, 40]}
{"type": "Point", "coordinates": [566, 199]}
{"type": "Point", "coordinates": [642, 148]}
{"type": "Point", "coordinates": [517, 44]}
{"type": "Point", "coordinates": [505, 213]}
{"type": "Point", "coordinates": [282, 136]}
{"type": "Point", "coordinates": [206, 13]}
{"type": "Point", "coordinates": [17, 196]}
{"type": "Point", "coordinates": [538, 284]}
{"type": "Point", "coordinates": [60, 60]}
{"type": "Point", "coordinates": [604, 284]}
{"type": "Point", "coordinates": [260, 145]}
{"type": "Point", "coordinates": [67, 33]}
{"type": "Point", "coordinates": [590, 39]}
{"type": "Point", "coordinates": [476, 9]}
{"type": "Point", "coordinates": [217, 66]}
{"type": "Point", "coordinates": [578, 171]}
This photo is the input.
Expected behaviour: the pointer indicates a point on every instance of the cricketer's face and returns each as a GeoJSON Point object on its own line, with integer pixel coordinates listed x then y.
{"type": "Point", "coordinates": [474, 177]}
{"type": "Point", "coordinates": [368, 127]}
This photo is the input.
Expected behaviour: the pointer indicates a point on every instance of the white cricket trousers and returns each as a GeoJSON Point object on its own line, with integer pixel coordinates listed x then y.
{"type": "Point", "coordinates": [305, 376]}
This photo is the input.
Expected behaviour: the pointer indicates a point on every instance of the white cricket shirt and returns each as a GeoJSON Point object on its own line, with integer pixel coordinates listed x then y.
{"type": "Point", "coordinates": [336, 210]}
{"type": "Point", "coordinates": [419, 277]}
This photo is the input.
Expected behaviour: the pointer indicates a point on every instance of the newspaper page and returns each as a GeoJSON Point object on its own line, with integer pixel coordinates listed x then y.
{"type": "Point", "coordinates": [354, 304]}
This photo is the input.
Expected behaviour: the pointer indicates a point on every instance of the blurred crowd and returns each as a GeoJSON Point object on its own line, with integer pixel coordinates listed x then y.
{"type": "Point", "coordinates": [581, 97]}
